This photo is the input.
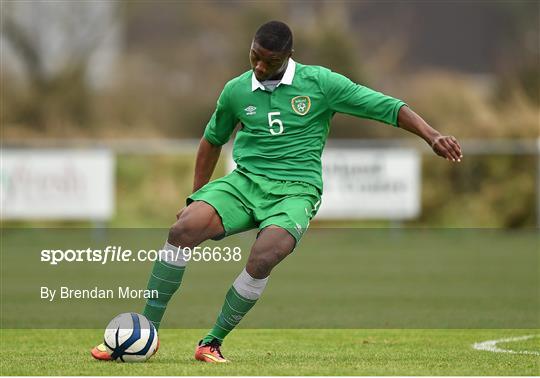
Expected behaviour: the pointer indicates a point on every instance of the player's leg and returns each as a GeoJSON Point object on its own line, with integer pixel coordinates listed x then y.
{"type": "Point", "coordinates": [272, 246]}
{"type": "Point", "coordinates": [198, 222]}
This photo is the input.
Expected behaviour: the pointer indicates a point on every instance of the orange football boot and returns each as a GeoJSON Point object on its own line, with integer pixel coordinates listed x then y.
{"type": "Point", "coordinates": [99, 352]}
{"type": "Point", "coordinates": [209, 352]}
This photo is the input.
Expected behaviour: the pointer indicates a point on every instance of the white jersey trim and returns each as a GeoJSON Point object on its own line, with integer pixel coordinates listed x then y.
{"type": "Point", "coordinates": [287, 78]}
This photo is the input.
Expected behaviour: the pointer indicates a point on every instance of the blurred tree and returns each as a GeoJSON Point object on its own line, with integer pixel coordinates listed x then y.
{"type": "Point", "coordinates": [177, 55]}
{"type": "Point", "coordinates": [327, 38]}
{"type": "Point", "coordinates": [519, 55]}
{"type": "Point", "coordinates": [61, 50]}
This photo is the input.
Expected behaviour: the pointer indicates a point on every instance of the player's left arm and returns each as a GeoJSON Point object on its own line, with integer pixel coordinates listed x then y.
{"type": "Point", "coordinates": [345, 96]}
{"type": "Point", "coordinates": [443, 145]}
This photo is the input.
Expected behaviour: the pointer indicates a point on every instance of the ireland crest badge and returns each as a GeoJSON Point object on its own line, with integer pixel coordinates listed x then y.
{"type": "Point", "coordinates": [301, 104]}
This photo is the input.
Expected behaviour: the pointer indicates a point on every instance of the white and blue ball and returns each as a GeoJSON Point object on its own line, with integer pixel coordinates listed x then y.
{"type": "Point", "coordinates": [131, 337]}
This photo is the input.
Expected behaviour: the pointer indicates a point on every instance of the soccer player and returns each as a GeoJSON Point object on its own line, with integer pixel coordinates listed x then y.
{"type": "Point", "coordinates": [284, 110]}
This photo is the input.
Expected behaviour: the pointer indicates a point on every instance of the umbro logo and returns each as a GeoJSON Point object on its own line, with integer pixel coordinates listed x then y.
{"type": "Point", "coordinates": [250, 110]}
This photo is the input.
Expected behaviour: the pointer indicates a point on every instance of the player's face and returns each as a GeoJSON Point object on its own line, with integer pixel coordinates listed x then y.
{"type": "Point", "coordinates": [267, 64]}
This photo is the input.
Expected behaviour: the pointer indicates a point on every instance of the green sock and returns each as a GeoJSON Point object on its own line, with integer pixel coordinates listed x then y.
{"type": "Point", "coordinates": [233, 310]}
{"type": "Point", "coordinates": [166, 279]}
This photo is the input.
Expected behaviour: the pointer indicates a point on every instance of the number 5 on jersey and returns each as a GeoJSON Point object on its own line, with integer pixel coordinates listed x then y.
{"type": "Point", "coordinates": [276, 126]}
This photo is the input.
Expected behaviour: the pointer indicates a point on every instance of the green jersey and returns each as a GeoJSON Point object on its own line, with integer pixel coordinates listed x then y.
{"type": "Point", "coordinates": [283, 132]}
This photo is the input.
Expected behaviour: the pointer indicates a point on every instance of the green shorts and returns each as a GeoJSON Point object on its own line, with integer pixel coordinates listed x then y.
{"type": "Point", "coordinates": [245, 201]}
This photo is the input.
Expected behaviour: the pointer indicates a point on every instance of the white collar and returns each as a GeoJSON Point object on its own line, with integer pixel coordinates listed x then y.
{"type": "Point", "coordinates": [286, 79]}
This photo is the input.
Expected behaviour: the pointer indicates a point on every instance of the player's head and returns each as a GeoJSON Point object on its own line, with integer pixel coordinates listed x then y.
{"type": "Point", "coordinates": [270, 50]}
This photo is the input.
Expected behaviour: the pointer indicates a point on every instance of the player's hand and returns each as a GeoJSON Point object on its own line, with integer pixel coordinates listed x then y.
{"type": "Point", "coordinates": [447, 147]}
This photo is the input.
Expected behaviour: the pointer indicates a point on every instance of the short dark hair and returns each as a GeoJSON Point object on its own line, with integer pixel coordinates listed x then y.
{"type": "Point", "coordinates": [274, 36]}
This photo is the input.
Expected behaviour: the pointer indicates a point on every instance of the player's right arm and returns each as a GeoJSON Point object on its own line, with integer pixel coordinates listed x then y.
{"type": "Point", "coordinates": [218, 131]}
{"type": "Point", "coordinates": [207, 157]}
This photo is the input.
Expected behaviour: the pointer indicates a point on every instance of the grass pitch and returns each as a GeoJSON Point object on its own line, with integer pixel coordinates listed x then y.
{"type": "Point", "coordinates": [280, 352]}
{"type": "Point", "coordinates": [347, 302]}
{"type": "Point", "coordinates": [336, 279]}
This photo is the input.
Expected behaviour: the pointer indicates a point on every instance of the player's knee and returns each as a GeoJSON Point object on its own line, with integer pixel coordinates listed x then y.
{"type": "Point", "coordinates": [183, 233]}
{"type": "Point", "coordinates": [278, 241]}
{"type": "Point", "coordinates": [196, 223]}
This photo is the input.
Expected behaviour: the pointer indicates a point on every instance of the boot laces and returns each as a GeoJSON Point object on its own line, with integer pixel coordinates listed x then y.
{"type": "Point", "coordinates": [214, 346]}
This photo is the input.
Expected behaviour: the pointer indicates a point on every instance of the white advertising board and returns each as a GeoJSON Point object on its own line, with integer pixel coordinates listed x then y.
{"type": "Point", "coordinates": [57, 184]}
{"type": "Point", "coordinates": [370, 184]}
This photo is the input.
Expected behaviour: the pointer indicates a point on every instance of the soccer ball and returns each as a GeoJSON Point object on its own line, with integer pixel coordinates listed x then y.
{"type": "Point", "coordinates": [131, 337]}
